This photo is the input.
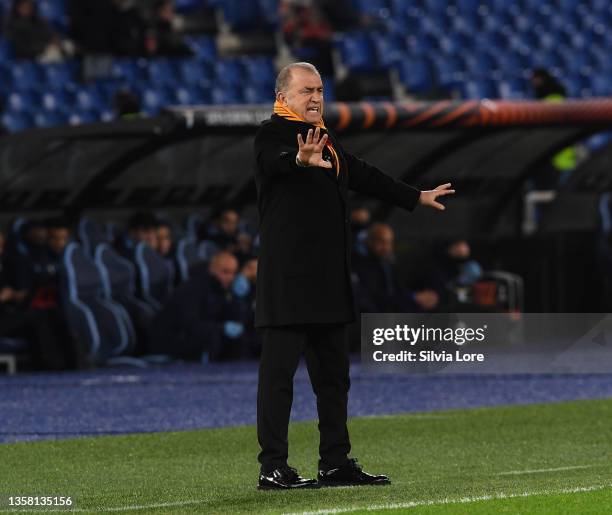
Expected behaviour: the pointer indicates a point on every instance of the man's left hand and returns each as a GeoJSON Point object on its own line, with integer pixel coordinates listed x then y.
{"type": "Point", "coordinates": [428, 197]}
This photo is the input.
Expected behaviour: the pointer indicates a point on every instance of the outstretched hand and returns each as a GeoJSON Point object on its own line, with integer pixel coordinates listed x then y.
{"type": "Point", "coordinates": [428, 198]}
{"type": "Point", "coordinates": [310, 152]}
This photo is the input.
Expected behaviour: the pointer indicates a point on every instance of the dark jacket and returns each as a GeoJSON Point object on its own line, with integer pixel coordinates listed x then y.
{"type": "Point", "coordinates": [192, 320]}
{"type": "Point", "coordinates": [29, 37]}
{"type": "Point", "coordinates": [304, 261]}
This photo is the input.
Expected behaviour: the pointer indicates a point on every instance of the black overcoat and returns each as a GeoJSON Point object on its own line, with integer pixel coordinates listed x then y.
{"type": "Point", "coordinates": [303, 274]}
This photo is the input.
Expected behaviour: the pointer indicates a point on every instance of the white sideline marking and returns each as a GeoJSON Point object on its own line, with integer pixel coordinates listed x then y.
{"type": "Point", "coordinates": [389, 506]}
{"type": "Point", "coordinates": [539, 471]}
{"type": "Point", "coordinates": [459, 500]}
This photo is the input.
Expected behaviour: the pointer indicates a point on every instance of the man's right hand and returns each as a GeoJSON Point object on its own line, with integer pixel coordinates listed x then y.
{"type": "Point", "coordinates": [310, 153]}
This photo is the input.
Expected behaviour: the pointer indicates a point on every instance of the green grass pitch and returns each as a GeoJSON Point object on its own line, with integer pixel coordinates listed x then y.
{"type": "Point", "coordinates": [543, 459]}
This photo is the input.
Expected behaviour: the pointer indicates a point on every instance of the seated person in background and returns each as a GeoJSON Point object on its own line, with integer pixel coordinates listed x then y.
{"type": "Point", "coordinates": [360, 220]}
{"type": "Point", "coordinates": [453, 271]}
{"type": "Point", "coordinates": [166, 39]}
{"type": "Point", "coordinates": [203, 320]}
{"type": "Point", "coordinates": [141, 227]}
{"type": "Point", "coordinates": [32, 37]}
{"type": "Point", "coordinates": [308, 33]}
{"type": "Point", "coordinates": [126, 105]}
{"type": "Point", "coordinates": [29, 304]}
{"type": "Point", "coordinates": [127, 29]}
{"type": "Point", "coordinates": [222, 231]}
{"type": "Point", "coordinates": [377, 285]}
{"type": "Point", "coordinates": [165, 242]}
{"type": "Point", "coordinates": [34, 264]}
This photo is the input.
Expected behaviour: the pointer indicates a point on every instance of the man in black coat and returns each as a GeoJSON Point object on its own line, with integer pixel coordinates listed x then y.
{"type": "Point", "coordinates": [304, 299]}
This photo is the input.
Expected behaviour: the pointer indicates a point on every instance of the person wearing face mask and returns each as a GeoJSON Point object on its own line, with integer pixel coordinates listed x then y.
{"type": "Point", "coordinates": [204, 319]}
{"type": "Point", "coordinates": [454, 271]}
{"type": "Point", "coordinates": [304, 297]}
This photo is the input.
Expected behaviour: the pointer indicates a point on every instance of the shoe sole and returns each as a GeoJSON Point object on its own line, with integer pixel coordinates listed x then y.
{"type": "Point", "coordinates": [305, 487]}
{"type": "Point", "coordinates": [347, 483]}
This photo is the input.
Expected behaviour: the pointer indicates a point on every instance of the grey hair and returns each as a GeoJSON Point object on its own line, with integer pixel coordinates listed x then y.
{"type": "Point", "coordinates": [284, 76]}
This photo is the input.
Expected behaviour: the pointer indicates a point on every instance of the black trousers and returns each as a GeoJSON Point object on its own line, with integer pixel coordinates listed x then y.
{"type": "Point", "coordinates": [327, 358]}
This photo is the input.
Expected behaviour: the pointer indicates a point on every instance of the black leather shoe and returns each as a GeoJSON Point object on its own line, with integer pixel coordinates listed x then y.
{"type": "Point", "coordinates": [350, 474]}
{"type": "Point", "coordinates": [284, 478]}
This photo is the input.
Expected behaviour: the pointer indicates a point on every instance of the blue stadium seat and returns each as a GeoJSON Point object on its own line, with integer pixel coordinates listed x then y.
{"type": "Point", "coordinates": [119, 285]}
{"type": "Point", "coordinates": [479, 89]}
{"type": "Point", "coordinates": [259, 70]}
{"type": "Point", "coordinates": [258, 94]}
{"type": "Point", "coordinates": [23, 102]}
{"type": "Point", "coordinates": [421, 44]}
{"type": "Point", "coordinates": [576, 85]}
{"type": "Point", "coordinates": [194, 72]}
{"type": "Point", "coordinates": [55, 101]}
{"type": "Point", "coordinates": [513, 89]}
{"type": "Point", "coordinates": [229, 72]}
{"type": "Point", "coordinates": [98, 324]}
{"type": "Point", "coordinates": [162, 72]}
{"type": "Point", "coordinates": [269, 12]}
{"type": "Point", "coordinates": [128, 69]}
{"type": "Point", "coordinates": [49, 119]}
{"type": "Point", "coordinates": [187, 256]}
{"type": "Point", "coordinates": [155, 99]}
{"type": "Point", "coordinates": [379, 8]}
{"type": "Point", "coordinates": [203, 47]}
{"type": "Point", "coordinates": [226, 95]}
{"type": "Point", "coordinates": [388, 49]}
{"type": "Point", "coordinates": [188, 96]}
{"type": "Point", "coordinates": [82, 117]}
{"type": "Point", "coordinates": [56, 75]}
{"type": "Point", "coordinates": [188, 6]}
{"type": "Point", "coordinates": [601, 85]}
{"type": "Point", "coordinates": [155, 277]}
{"type": "Point", "coordinates": [90, 234]}
{"type": "Point", "coordinates": [240, 15]}
{"type": "Point", "coordinates": [415, 74]}
{"type": "Point", "coordinates": [54, 11]}
{"type": "Point", "coordinates": [6, 51]}
{"type": "Point", "coordinates": [26, 76]}
{"type": "Point", "coordinates": [356, 51]}
{"type": "Point", "coordinates": [89, 99]}
{"type": "Point", "coordinates": [481, 64]}
{"type": "Point", "coordinates": [449, 71]}
{"type": "Point", "coordinates": [16, 121]}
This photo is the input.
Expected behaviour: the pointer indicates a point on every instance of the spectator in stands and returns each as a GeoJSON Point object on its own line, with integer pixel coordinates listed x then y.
{"type": "Point", "coordinates": [126, 105]}
{"type": "Point", "coordinates": [341, 14]}
{"type": "Point", "coordinates": [377, 284]}
{"type": "Point", "coordinates": [165, 241]}
{"type": "Point", "coordinates": [30, 310]}
{"type": "Point", "coordinates": [547, 87]}
{"type": "Point", "coordinates": [58, 236]}
{"type": "Point", "coordinates": [166, 39]}
{"type": "Point", "coordinates": [360, 220]}
{"type": "Point", "coordinates": [203, 319]}
{"type": "Point", "coordinates": [223, 229]}
{"type": "Point", "coordinates": [128, 31]}
{"type": "Point", "coordinates": [91, 25]}
{"type": "Point", "coordinates": [308, 34]}
{"type": "Point", "coordinates": [142, 226]}
{"type": "Point", "coordinates": [32, 37]}
{"type": "Point", "coordinates": [453, 271]}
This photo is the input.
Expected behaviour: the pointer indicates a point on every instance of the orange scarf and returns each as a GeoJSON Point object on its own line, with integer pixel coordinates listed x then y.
{"type": "Point", "coordinates": [288, 114]}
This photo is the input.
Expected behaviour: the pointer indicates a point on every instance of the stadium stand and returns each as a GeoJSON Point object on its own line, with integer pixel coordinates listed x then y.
{"type": "Point", "coordinates": [460, 49]}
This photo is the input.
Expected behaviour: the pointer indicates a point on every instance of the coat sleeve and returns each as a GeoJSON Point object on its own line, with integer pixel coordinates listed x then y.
{"type": "Point", "coordinates": [272, 154]}
{"type": "Point", "coordinates": [369, 180]}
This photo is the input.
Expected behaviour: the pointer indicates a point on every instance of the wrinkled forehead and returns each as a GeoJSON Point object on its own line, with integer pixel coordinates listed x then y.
{"type": "Point", "coordinates": [301, 78]}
